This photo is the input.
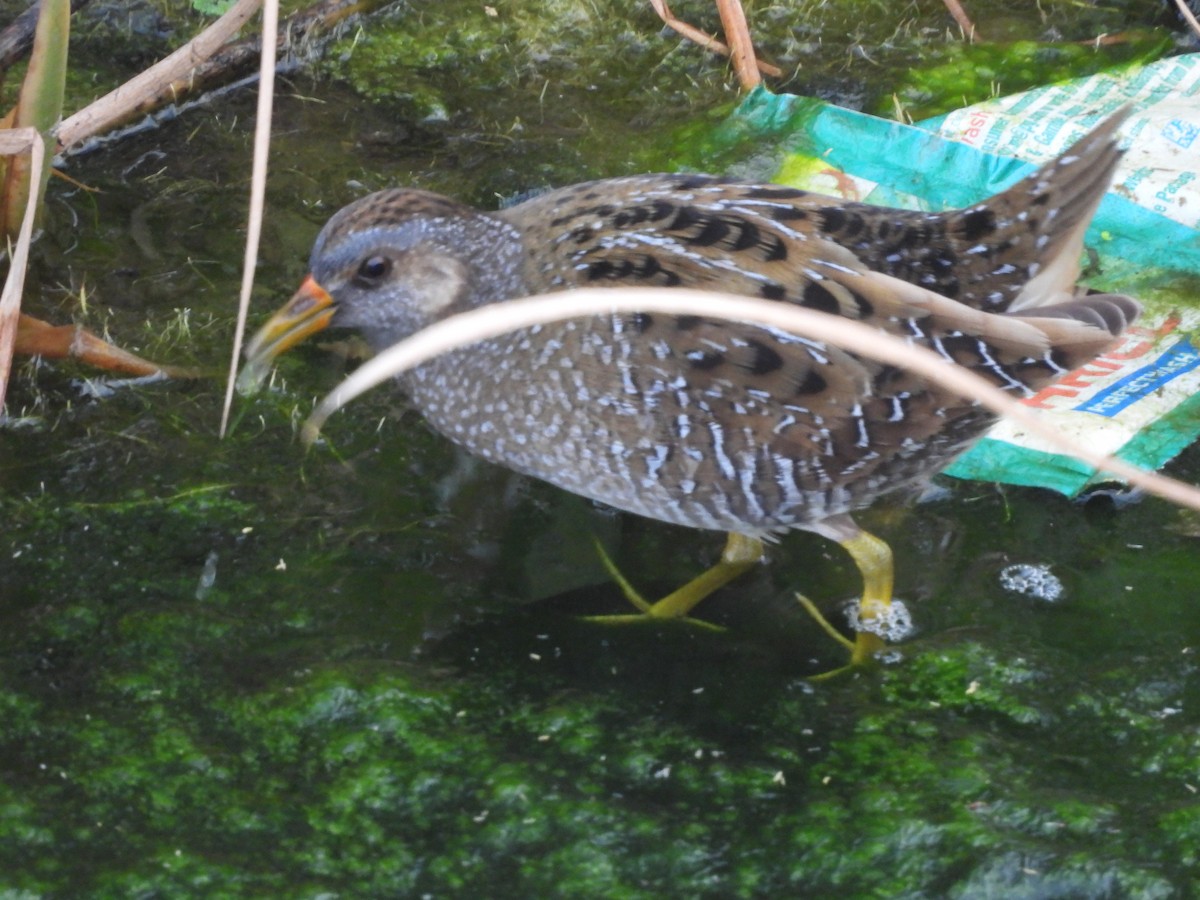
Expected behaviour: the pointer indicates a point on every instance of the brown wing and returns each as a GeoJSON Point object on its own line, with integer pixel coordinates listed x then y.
{"type": "Point", "coordinates": [1016, 250]}
{"type": "Point", "coordinates": [812, 416]}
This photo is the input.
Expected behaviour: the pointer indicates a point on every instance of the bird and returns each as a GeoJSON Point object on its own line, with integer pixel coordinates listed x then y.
{"type": "Point", "coordinates": [717, 425]}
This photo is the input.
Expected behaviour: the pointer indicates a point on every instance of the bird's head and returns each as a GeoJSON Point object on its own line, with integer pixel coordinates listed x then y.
{"type": "Point", "coordinates": [389, 265]}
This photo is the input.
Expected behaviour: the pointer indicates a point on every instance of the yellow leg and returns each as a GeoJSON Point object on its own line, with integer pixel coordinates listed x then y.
{"type": "Point", "coordinates": [741, 553]}
{"type": "Point", "coordinates": [874, 560]}
{"type": "Point", "coordinates": [875, 610]}
{"type": "Point", "coordinates": [872, 556]}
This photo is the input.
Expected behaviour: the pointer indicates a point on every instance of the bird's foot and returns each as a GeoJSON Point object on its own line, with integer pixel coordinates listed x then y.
{"type": "Point", "coordinates": [670, 607]}
{"type": "Point", "coordinates": [877, 624]}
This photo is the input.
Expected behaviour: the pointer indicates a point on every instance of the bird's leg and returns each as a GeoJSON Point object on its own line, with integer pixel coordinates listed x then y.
{"type": "Point", "coordinates": [875, 609]}
{"type": "Point", "coordinates": [874, 560]}
{"type": "Point", "coordinates": [740, 554]}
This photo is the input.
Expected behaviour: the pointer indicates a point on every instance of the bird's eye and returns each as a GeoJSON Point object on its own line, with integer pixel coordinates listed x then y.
{"type": "Point", "coordinates": [374, 268]}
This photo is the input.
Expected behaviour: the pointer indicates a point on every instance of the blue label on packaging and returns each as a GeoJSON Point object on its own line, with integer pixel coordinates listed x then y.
{"type": "Point", "coordinates": [1179, 359]}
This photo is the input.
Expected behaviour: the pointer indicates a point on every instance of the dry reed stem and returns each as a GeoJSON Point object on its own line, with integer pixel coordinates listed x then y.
{"type": "Point", "coordinates": [741, 47]}
{"type": "Point", "coordinates": [258, 190]}
{"type": "Point", "coordinates": [13, 142]}
{"type": "Point", "coordinates": [704, 40]}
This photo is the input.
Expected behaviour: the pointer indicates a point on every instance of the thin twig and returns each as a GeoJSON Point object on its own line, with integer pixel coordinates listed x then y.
{"type": "Point", "coordinates": [12, 142]}
{"type": "Point", "coordinates": [258, 190]}
{"type": "Point", "coordinates": [704, 40]}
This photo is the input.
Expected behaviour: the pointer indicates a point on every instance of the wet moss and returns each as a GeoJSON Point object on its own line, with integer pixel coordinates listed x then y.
{"type": "Point", "coordinates": [190, 758]}
{"type": "Point", "coordinates": [956, 74]}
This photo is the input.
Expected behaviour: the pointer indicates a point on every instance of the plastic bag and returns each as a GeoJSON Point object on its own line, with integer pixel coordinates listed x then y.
{"type": "Point", "coordinates": [1140, 401]}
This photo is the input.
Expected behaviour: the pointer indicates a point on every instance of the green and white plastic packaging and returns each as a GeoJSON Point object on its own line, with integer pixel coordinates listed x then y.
{"type": "Point", "coordinates": [1141, 400]}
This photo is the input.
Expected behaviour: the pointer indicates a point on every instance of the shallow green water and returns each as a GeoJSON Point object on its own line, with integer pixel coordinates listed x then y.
{"type": "Point", "coordinates": [231, 668]}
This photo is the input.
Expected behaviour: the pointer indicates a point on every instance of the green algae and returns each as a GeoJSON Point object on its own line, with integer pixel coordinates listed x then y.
{"type": "Point", "coordinates": [957, 75]}
{"type": "Point", "coordinates": [386, 779]}
{"type": "Point", "coordinates": [257, 742]}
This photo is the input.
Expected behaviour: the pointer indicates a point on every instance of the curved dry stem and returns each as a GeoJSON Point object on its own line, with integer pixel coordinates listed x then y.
{"type": "Point", "coordinates": [490, 321]}
{"type": "Point", "coordinates": [258, 192]}
{"type": "Point", "coordinates": [13, 142]}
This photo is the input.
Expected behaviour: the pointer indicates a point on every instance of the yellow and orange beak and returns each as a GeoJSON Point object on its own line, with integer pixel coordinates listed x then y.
{"type": "Point", "coordinates": [309, 311]}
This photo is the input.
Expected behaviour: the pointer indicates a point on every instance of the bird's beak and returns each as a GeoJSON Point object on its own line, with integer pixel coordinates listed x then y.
{"type": "Point", "coordinates": [309, 311]}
